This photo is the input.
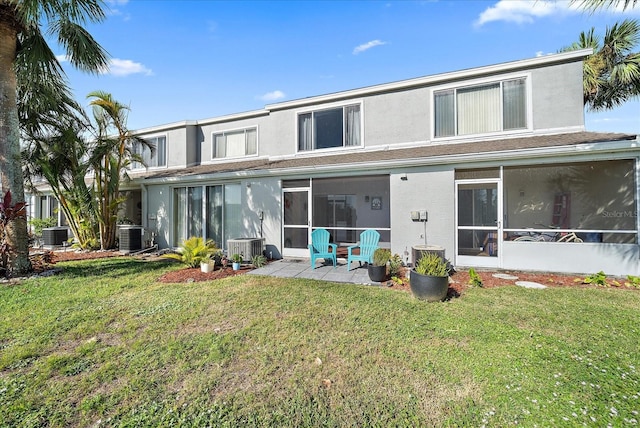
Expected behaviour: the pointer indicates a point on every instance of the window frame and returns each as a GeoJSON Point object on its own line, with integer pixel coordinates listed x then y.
{"type": "Point", "coordinates": [478, 83]}
{"type": "Point", "coordinates": [327, 107]}
{"type": "Point", "coordinates": [230, 131]}
{"type": "Point", "coordinates": [137, 166]}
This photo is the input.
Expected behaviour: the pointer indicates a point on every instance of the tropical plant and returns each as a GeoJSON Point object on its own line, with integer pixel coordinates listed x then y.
{"type": "Point", "coordinates": [433, 265]}
{"type": "Point", "coordinates": [474, 279]}
{"type": "Point", "coordinates": [258, 261]}
{"type": "Point", "coordinates": [381, 256]}
{"type": "Point", "coordinates": [599, 278]}
{"type": "Point", "coordinates": [237, 258]}
{"type": "Point", "coordinates": [60, 156]}
{"type": "Point", "coordinates": [612, 73]}
{"type": "Point", "coordinates": [32, 83]}
{"type": "Point", "coordinates": [193, 251]}
{"type": "Point", "coordinates": [110, 160]}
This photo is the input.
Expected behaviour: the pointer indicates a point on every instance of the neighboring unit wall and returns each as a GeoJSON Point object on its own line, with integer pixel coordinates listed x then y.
{"type": "Point", "coordinates": [433, 191]}
{"type": "Point", "coordinates": [158, 213]}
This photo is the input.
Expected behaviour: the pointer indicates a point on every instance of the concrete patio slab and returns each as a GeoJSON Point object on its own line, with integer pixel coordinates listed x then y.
{"type": "Point", "coordinates": [300, 268]}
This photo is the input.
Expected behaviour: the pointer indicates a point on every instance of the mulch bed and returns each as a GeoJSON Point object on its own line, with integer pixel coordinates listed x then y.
{"type": "Point", "coordinates": [459, 282]}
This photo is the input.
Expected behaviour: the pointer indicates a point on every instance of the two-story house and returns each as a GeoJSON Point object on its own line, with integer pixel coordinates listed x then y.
{"type": "Point", "coordinates": [495, 159]}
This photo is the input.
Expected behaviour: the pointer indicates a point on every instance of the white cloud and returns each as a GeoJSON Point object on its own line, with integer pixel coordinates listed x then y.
{"type": "Point", "coordinates": [366, 46]}
{"type": "Point", "coordinates": [117, 2]}
{"type": "Point", "coordinates": [124, 67]}
{"type": "Point", "coordinates": [272, 96]}
{"type": "Point", "coordinates": [524, 11]}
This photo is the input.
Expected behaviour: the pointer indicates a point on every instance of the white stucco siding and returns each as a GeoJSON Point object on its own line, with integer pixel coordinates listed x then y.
{"type": "Point", "coordinates": [431, 190]}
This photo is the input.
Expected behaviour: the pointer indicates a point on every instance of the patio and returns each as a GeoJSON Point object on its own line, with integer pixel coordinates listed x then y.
{"type": "Point", "coordinates": [301, 268]}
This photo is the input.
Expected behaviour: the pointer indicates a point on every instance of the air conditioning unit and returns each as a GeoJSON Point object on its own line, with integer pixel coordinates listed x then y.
{"type": "Point", "coordinates": [130, 238]}
{"type": "Point", "coordinates": [54, 236]}
{"type": "Point", "coordinates": [247, 247]}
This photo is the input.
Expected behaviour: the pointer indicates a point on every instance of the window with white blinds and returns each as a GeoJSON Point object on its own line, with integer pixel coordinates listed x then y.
{"type": "Point", "coordinates": [481, 109]}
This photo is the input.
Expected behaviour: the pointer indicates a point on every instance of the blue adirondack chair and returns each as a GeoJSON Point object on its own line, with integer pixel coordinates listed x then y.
{"type": "Point", "coordinates": [320, 246]}
{"type": "Point", "coordinates": [368, 244]}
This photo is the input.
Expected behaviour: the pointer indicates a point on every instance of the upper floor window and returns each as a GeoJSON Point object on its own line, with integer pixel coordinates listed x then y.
{"type": "Point", "coordinates": [329, 128]}
{"type": "Point", "coordinates": [480, 109]}
{"type": "Point", "coordinates": [154, 154]}
{"type": "Point", "coordinates": [231, 144]}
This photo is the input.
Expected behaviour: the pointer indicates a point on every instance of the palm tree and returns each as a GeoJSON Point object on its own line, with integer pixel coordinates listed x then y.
{"type": "Point", "coordinates": [612, 72]}
{"type": "Point", "coordinates": [111, 158]}
{"type": "Point", "coordinates": [594, 5]}
{"type": "Point", "coordinates": [25, 54]}
{"type": "Point", "coordinates": [60, 156]}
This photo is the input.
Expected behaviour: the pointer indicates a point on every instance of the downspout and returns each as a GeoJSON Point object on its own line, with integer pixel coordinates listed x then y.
{"type": "Point", "coordinates": [144, 201]}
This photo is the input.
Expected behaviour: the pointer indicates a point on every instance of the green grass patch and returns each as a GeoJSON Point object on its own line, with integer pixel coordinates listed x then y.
{"type": "Point", "coordinates": [105, 344]}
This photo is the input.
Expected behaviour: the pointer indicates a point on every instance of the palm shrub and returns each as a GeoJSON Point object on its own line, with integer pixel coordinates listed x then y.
{"type": "Point", "coordinates": [193, 251]}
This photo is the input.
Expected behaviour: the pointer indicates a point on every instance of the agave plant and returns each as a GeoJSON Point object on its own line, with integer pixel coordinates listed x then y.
{"type": "Point", "coordinates": [193, 251]}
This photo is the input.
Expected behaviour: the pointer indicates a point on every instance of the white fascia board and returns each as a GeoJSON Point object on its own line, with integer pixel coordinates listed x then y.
{"type": "Point", "coordinates": [161, 128]}
{"type": "Point", "coordinates": [563, 57]}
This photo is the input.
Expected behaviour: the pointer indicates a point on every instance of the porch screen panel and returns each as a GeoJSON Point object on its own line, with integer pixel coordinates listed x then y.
{"type": "Point", "coordinates": [215, 205]}
{"type": "Point", "coordinates": [445, 123]}
{"type": "Point", "coordinates": [514, 93]}
{"type": "Point", "coordinates": [479, 109]}
{"type": "Point", "coordinates": [233, 211]}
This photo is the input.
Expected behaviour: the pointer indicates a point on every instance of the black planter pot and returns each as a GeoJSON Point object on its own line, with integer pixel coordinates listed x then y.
{"type": "Point", "coordinates": [377, 273]}
{"type": "Point", "coordinates": [429, 288]}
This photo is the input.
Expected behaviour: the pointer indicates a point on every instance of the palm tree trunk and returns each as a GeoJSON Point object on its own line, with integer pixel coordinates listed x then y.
{"type": "Point", "coordinates": [10, 160]}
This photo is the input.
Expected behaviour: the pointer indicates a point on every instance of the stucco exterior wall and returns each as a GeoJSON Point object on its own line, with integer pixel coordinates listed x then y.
{"type": "Point", "coordinates": [432, 190]}
{"type": "Point", "coordinates": [557, 96]}
{"type": "Point", "coordinates": [264, 196]}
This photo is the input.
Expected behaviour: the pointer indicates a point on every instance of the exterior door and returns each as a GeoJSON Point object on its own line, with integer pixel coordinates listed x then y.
{"type": "Point", "coordinates": [296, 215]}
{"type": "Point", "coordinates": [478, 225]}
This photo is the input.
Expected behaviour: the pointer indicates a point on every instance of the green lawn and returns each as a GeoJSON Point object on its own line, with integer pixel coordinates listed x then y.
{"type": "Point", "coordinates": [105, 344]}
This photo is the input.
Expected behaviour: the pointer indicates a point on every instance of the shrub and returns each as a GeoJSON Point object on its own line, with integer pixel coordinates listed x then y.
{"type": "Point", "coordinates": [258, 261]}
{"type": "Point", "coordinates": [395, 264]}
{"type": "Point", "coordinates": [193, 251]}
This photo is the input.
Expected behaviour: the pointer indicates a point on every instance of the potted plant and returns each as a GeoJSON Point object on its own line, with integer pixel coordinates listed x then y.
{"type": "Point", "coordinates": [236, 259]}
{"type": "Point", "coordinates": [207, 264]}
{"type": "Point", "coordinates": [378, 269]}
{"type": "Point", "coordinates": [430, 278]}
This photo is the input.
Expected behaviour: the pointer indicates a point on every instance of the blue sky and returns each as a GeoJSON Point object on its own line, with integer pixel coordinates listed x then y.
{"type": "Point", "coordinates": [196, 59]}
